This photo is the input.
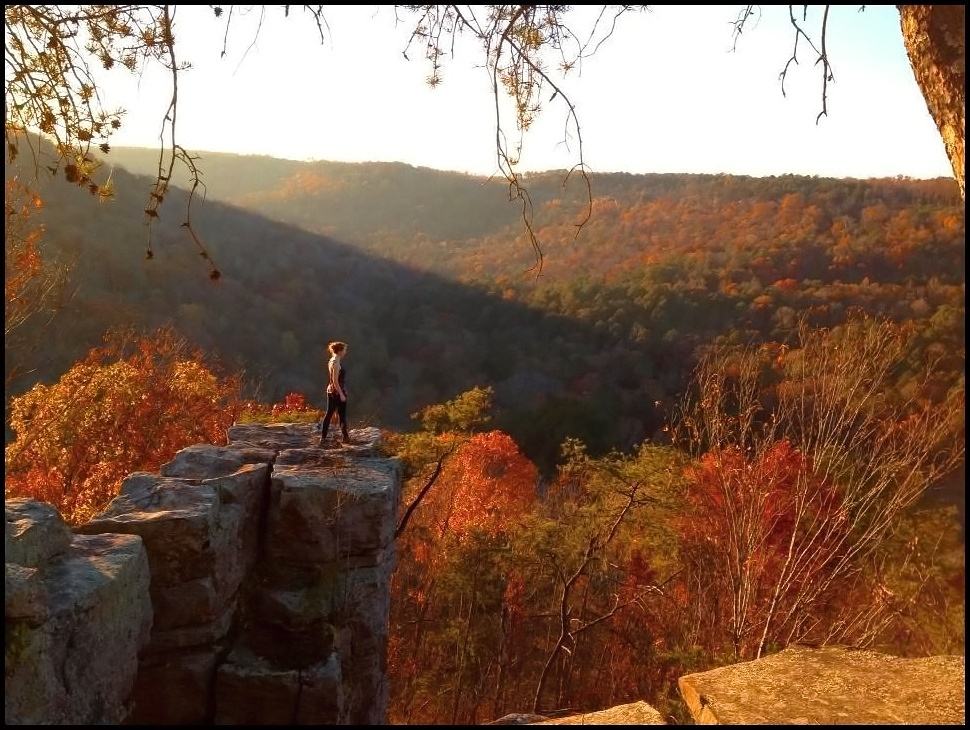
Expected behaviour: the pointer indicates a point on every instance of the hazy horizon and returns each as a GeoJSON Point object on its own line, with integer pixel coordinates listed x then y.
{"type": "Point", "coordinates": [547, 171]}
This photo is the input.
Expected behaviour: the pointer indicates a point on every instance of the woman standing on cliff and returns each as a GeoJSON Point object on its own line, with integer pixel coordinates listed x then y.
{"type": "Point", "coordinates": [336, 391]}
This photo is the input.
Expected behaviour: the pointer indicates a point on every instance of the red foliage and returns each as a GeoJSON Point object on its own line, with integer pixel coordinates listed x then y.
{"type": "Point", "coordinates": [486, 484]}
{"type": "Point", "coordinates": [743, 514]}
{"type": "Point", "coordinates": [725, 481]}
{"type": "Point", "coordinates": [292, 402]}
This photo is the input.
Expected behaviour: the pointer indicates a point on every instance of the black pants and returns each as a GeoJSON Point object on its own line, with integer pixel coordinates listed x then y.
{"type": "Point", "coordinates": [340, 406]}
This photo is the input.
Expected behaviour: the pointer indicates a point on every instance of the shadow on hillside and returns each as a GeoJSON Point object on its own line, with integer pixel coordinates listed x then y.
{"type": "Point", "coordinates": [416, 338]}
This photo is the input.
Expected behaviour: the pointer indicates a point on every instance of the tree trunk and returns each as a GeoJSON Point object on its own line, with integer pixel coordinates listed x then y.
{"type": "Point", "coordinates": [935, 41]}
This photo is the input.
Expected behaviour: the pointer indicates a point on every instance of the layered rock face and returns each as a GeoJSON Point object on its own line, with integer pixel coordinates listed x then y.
{"type": "Point", "coordinates": [270, 563]}
{"type": "Point", "coordinates": [77, 611]}
{"type": "Point", "coordinates": [313, 632]}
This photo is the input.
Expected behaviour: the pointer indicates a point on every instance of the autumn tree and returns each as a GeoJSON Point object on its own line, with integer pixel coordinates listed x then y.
{"type": "Point", "coordinates": [808, 460]}
{"type": "Point", "coordinates": [465, 492]}
{"type": "Point", "coordinates": [596, 502]}
{"type": "Point", "coordinates": [445, 428]}
{"type": "Point", "coordinates": [33, 285]}
{"type": "Point", "coordinates": [128, 406]}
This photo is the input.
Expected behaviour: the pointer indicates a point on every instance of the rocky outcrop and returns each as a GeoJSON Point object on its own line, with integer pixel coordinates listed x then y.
{"type": "Point", "coordinates": [201, 535]}
{"type": "Point", "coordinates": [270, 568]}
{"type": "Point", "coordinates": [265, 563]}
{"type": "Point", "coordinates": [635, 713]}
{"type": "Point", "coordinates": [77, 611]}
{"type": "Point", "coordinates": [314, 627]}
{"type": "Point", "coordinates": [829, 685]}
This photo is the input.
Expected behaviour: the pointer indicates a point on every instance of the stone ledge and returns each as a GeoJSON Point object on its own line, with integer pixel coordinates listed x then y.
{"type": "Point", "coordinates": [829, 686]}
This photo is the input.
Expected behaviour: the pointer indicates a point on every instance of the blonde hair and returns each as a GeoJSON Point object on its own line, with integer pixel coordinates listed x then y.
{"type": "Point", "coordinates": [337, 348]}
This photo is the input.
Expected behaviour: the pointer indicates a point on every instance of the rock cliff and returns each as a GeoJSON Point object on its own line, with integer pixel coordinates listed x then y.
{"type": "Point", "coordinates": [262, 569]}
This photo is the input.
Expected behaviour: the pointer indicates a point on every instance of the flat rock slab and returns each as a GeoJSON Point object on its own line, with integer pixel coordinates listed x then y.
{"type": "Point", "coordinates": [274, 436]}
{"type": "Point", "coordinates": [635, 713]}
{"type": "Point", "coordinates": [311, 458]}
{"type": "Point", "coordinates": [284, 436]}
{"type": "Point", "coordinates": [518, 718]}
{"type": "Point", "coordinates": [829, 686]}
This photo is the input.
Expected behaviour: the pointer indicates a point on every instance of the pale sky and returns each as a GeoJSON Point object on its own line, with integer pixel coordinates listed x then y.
{"type": "Point", "coordinates": [664, 94]}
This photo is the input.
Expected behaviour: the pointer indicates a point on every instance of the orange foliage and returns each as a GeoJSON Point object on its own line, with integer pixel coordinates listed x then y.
{"type": "Point", "coordinates": [487, 483]}
{"type": "Point", "coordinates": [786, 284]}
{"type": "Point", "coordinates": [128, 406]}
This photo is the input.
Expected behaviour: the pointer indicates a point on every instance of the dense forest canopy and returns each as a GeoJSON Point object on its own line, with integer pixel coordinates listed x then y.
{"type": "Point", "coordinates": [394, 256]}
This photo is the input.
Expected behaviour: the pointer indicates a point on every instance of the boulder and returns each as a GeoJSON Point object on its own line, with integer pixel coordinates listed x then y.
{"type": "Point", "coordinates": [635, 713]}
{"type": "Point", "coordinates": [829, 686]}
{"type": "Point", "coordinates": [204, 461]}
{"type": "Point", "coordinates": [77, 666]}
{"type": "Point", "coordinates": [202, 538]}
{"type": "Point", "coordinates": [34, 533]}
{"type": "Point", "coordinates": [176, 520]}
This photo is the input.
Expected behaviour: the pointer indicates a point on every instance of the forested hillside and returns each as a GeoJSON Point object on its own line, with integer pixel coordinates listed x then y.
{"type": "Point", "coordinates": [419, 268]}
